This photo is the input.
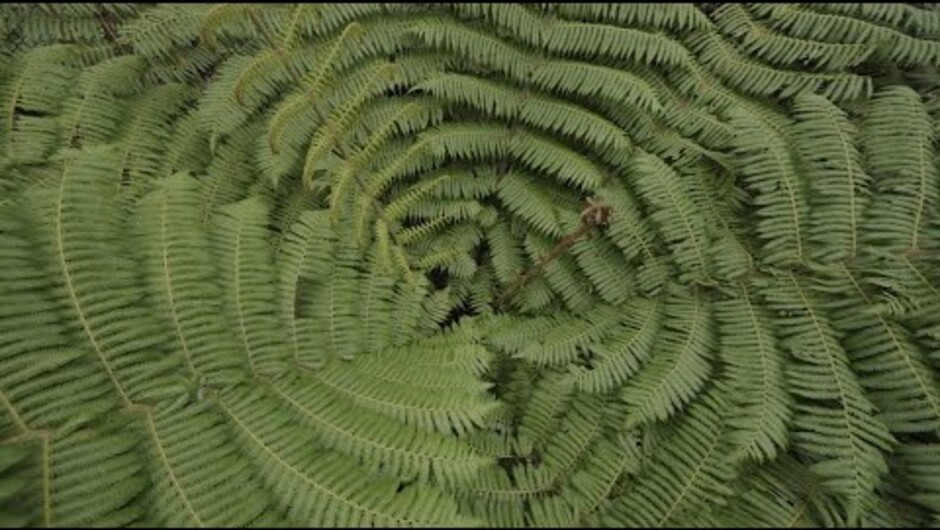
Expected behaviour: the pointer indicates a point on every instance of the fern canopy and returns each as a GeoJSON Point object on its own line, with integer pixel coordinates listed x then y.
{"type": "Point", "coordinates": [469, 265]}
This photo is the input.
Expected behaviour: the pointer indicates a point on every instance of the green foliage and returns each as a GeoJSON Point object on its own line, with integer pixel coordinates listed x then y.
{"type": "Point", "coordinates": [469, 265]}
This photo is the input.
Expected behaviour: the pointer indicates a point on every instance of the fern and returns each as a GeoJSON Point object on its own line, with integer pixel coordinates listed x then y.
{"type": "Point", "coordinates": [469, 265]}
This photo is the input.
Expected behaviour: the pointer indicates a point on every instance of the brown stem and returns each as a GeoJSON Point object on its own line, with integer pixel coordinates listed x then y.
{"type": "Point", "coordinates": [595, 213]}
{"type": "Point", "coordinates": [553, 254]}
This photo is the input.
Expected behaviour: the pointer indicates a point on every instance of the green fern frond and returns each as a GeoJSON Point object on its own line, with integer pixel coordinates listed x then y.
{"type": "Point", "coordinates": [833, 418]}
{"type": "Point", "coordinates": [95, 113]}
{"type": "Point", "coordinates": [98, 285]}
{"type": "Point", "coordinates": [320, 488]}
{"type": "Point", "coordinates": [692, 474]}
{"type": "Point", "coordinates": [769, 166]}
{"type": "Point", "coordinates": [376, 440]}
{"type": "Point", "coordinates": [177, 250]}
{"type": "Point", "coordinates": [90, 477]}
{"type": "Point", "coordinates": [677, 217]}
{"type": "Point", "coordinates": [781, 494]}
{"type": "Point", "coordinates": [782, 50]}
{"type": "Point", "coordinates": [826, 142]}
{"type": "Point", "coordinates": [32, 94]}
{"type": "Point", "coordinates": [364, 383]}
{"type": "Point", "coordinates": [247, 270]}
{"type": "Point", "coordinates": [758, 390]}
{"type": "Point", "coordinates": [677, 370]}
{"type": "Point", "coordinates": [757, 79]}
{"type": "Point", "coordinates": [680, 17]}
{"type": "Point", "coordinates": [47, 381]}
{"type": "Point", "coordinates": [888, 362]}
{"type": "Point", "coordinates": [890, 44]}
{"type": "Point", "coordinates": [621, 354]}
{"type": "Point", "coordinates": [897, 140]}
{"type": "Point", "coordinates": [230, 173]}
{"type": "Point", "coordinates": [920, 465]}
{"type": "Point", "coordinates": [204, 489]}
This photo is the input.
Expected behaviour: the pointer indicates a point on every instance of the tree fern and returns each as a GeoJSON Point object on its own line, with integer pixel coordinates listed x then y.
{"type": "Point", "coordinates": [469, 265]}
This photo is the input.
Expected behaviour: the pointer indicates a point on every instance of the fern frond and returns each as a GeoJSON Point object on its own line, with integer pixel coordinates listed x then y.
{"type": "Point", "coordinates": [331, 321]}
{"type": "Point", "coordinates": [579, 38]}
{"type": "Point", "coordinates": [302, 256]}
{"type": "Point", "coordinates": [569, 337]}
{"type": "Point", "coordinates": [561, 274]}
{"type": "Point", "coordinates": [621, 355]}
{"type": "Point", "coordinates": [547, 401]}
{"type": "Point", "coordinates": [690, 475]}
{"type": "Point", "coordinates": [95, 113]}
{"type": "Point", "coordinates": [375, 439]}
{"type": "Point", "coordinates": [219, 113]}
{"type": "Point", "coordinates": [781, 494]}
{"type": "Point", "coordinates": [897, 140]}
{"type": "Point", "coordinates": [492, 499]}
{"type": "Point", "coordinates": [603, 263]}
{"type": "Point", "coordinates": [325, 137]}
{"type": "Point", "coordinates": [910, 293]}
{"type": "Point", "coordinates": [47, 381]}
{"type": "Point", "coordinates": [316, 487]}
{"type": "Point", "coordinates": [826, 142]}
{"type": "Point", "coordinates": [920, 464]}
{"type": "Point", "coordinates": [472, 44]}
{"type": "Point", "coordinates": [50, 474]}
{"type": "Point", "coordinates": [230, 172]}
{"type": "Point", "coordinates": [200, 476]}
{"type": "Point", "coordinates": [904, 17]}
{"type": "Point", "coordinates": [634, 236]}
{"type": "Point", "coordinates": [758, 392]}
{"type": "Point", "coordinates": [506, 102]}
{"type": "Point", "coordinates": [890, 365]}
{"type": "Point", "coordinates": [757, 79]}
{"type": "Point", "coordinates": [247, 270]}
{"type": "Point", "coordinates": [676, 216]}
{"type": "Point", "coordinates": [145, 136]}
{"type": "Point", "coordinates": [188, 150]}
{"type": "Point", "coordinates": [589, 80]}
{"type": "Point", "coordinates": [576, 430]}
{"type": "Point", "coordinates": [91, 477]}
{"type": "Point", "coordinates": [523, 196]}
{"type": "Point", "coordinates": [32, 94]}
{"type": "Point", "coordinates": [890, 44]}
{"type": "Point", "coordinates": [680, 17]}
{"type": "Point", "coordinates": [782, 50]}
{"type": "Point", "coordinates": [678, 367]}
{"type": "Point", "coordinates": [834, 421]}
{"type": "Point", "coordinates": [365, 383]}
{"type": "Point", "coordinates": [98, 281]}
{"type": "Point", "coordinates": [182, 278]}
{"type": "Point", "coordinates": [770, 167]}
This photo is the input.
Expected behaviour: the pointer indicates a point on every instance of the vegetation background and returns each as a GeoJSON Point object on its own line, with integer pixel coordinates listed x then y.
{"type": "Point", "coordinates": [469, 264]}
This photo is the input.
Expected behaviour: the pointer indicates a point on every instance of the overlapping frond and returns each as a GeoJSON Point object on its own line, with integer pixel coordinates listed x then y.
{"type": "Point", "coordinates": [47, 380]}
{"type": "Point", "coordinates": [678, 366]}
{"type": "Point", "coordinates": [834, 420]}
{"type": "Point", "coordinates": [323, 488]}
{"type": "Point", "coordinates": [248, 274]}
{"type": "Point", "coordinates": [826, 141]}
{"type": "Point", "coordinates": [898, 139]}
{"type": "Point", "coordinates": [688, 477]}
{"type": "Point", "coordinates": [200, 477]}
{"type": "Point", "coordinates": [98, 280]}
{"type": "Point", "coordinates": [176, 248]}
{"type": "Point", "coordinates": [884, 355]}
{"type": "Point", "coordinates": [758, 390]}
